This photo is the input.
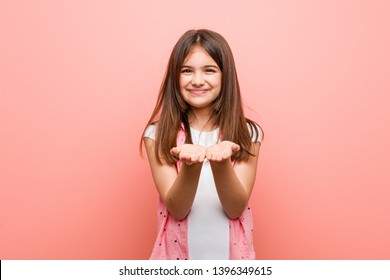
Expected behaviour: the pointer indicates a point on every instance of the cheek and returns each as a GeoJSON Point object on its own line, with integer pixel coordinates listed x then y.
{"type": "Point", "coordinates": [217, 82]}
{"type": "Point", "coordinates": [183, 81]}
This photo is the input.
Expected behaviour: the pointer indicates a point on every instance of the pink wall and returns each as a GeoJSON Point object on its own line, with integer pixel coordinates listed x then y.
{"type": "Point", "coordinates": [78, 80]}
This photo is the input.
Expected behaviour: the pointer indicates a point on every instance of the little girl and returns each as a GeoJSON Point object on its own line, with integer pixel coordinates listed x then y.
{"type": "Point", "coordinates": [203, 154]}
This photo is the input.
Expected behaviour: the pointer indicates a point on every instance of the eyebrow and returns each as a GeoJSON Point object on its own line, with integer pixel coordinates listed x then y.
{"type": "Point", "coordinates": [204, 66]}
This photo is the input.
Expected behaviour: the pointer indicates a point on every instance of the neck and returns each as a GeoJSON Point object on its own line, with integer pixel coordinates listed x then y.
{"type": "Point", "coordinates": [201, 120]}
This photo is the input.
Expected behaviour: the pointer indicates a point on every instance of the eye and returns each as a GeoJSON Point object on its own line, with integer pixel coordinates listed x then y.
{"type": "Point", "coordinates": [210, 70]}
{"type": "Point", "coordinates": [186, 70]}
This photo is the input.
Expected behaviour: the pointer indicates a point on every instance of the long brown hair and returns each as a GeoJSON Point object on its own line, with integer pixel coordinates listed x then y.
{"type": "Point", "coordinates": [171, 110]}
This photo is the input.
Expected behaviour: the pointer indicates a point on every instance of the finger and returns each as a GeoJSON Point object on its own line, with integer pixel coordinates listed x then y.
{"type": "Point", "coordinates": [174, 151]}
{"type": "Point", "coordinates": [225, 156]}
{"type": "Point", "coordinates": [198, 158]}
{"type": "Point", "coordinates": [211, 153]}
{"type": "Point", "coordinates": [186, 157]}
{"type": "Point", "coordinates": [235, 148]}
{"type": "Point", "coordinates": [217, 158]}
{"type": "Point", "coordinates": [187, 162]}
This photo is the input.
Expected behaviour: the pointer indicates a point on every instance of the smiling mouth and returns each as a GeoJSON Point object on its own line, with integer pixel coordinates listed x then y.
{"type": "Point", "coordinates": [198, 91]}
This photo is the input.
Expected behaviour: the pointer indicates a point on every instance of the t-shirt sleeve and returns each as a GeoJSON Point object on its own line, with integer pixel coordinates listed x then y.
{"type": "Point", "coordinates": [150, 132]}
{"type": "Point", "coordinates": [252, 131]}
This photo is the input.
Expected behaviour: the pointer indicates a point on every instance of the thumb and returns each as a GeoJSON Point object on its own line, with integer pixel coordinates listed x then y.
{"type": "Point", "coordinates": [174, 151]}
{"type": "Point", "coordinates": [235, 148]}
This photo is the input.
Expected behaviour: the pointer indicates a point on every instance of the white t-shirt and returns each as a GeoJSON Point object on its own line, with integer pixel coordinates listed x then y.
{"type": "Point", "coordinates": [208, 225]}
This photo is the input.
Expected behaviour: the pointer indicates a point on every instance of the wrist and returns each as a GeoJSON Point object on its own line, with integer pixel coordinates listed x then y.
{"type": "Point", "coordinates": [221, 163]}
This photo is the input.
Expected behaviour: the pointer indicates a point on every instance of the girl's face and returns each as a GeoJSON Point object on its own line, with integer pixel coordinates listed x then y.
{"type": "Point", "coordinates": [200, 79]}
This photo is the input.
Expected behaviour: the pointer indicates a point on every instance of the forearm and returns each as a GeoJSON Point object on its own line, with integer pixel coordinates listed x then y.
{"type": "Point", "coordinates": [231, 192]}
{"type": "Point", "coordinates": [180, 196]}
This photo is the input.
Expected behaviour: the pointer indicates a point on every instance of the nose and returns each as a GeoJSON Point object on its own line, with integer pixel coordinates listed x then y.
{"type": "Point", "coordinates": [197, 79]}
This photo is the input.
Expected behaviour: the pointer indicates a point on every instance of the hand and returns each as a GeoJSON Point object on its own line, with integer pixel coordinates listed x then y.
{"type": "Point", "coordinates": [221, 151]}
{"type": "Point", "coordinates": [189, 153]}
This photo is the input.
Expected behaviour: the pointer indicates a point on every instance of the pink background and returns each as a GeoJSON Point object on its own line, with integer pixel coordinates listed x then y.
{"type": "Point", "coordinates": [78, 81]}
